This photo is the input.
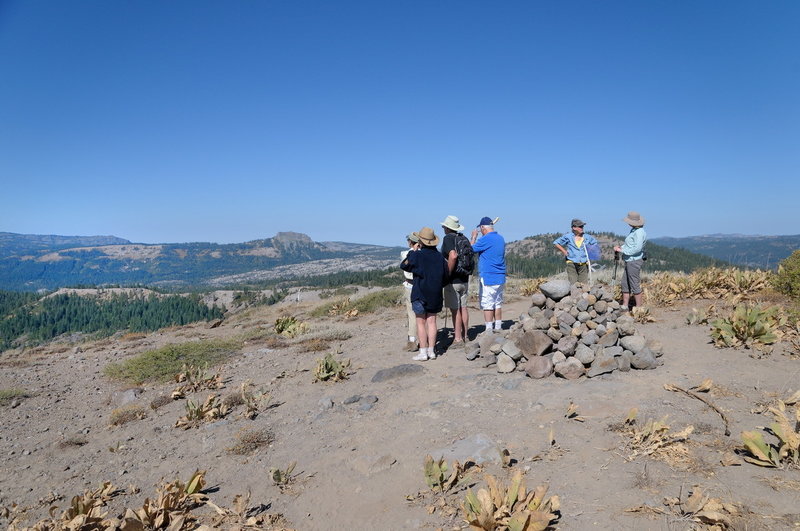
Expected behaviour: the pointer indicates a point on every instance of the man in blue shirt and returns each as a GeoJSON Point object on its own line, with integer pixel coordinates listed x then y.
{"type": "Point", "coordinates": [633, 255]}
{"type": "Point", "coordinates": [491, 251]}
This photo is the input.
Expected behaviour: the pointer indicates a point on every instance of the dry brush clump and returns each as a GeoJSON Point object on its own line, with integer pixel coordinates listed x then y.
{"type": "Point", "coordinates": [290, 326]}
{"type": "Point", "coordinates": [785, 453]}
{"type": "Point", "coordinates": [172, 509]}
{"type": "Point", "coordinates": [712, 283]}
{"type": "Point", "coordinates": [196, 413]}
{"type": "Point", "coordinates": [750, 326]}
{"type": "Point", "coordinates": [699, 508]}
{"type": "Point", "coordinates": [329, 368]}
{"type": "Point", "coordinates": [511, 508]}
{"type": "Point", "coordinates": [126, 414]}
{"type": "Point", "coordinates": [654, 439]}
{"type": "Point", "coordinates": [249, 441]}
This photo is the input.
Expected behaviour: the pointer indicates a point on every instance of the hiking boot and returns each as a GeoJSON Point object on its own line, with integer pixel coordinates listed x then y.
{"type": "Point", "coordinates": [458, 344]}
{"type": "Point", "coordinates": [421, 357]}
{"type": "Point", "coordinates": [412, 346]}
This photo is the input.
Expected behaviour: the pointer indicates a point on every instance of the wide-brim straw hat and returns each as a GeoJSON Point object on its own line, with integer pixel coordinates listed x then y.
{"type": "Point", "coordinates": [413, 237]}
{"type": "Point", "coordinates": [427, 237]}
{"type": "Point", "coordinates": [634, 219]}
{"type": "Point", "coordinates": [452, 223]}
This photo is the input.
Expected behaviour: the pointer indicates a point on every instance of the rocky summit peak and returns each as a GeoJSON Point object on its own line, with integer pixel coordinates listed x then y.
{"type": "Point", "coordinates": [297, 237]}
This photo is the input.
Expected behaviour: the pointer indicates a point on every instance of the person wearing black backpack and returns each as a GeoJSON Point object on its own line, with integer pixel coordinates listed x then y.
{"type": "Point", "coordinates": [457, 250]}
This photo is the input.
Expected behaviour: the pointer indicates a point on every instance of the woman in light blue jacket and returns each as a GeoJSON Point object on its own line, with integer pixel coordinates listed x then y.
{"type": "Point", "coordinates": [633, 255]}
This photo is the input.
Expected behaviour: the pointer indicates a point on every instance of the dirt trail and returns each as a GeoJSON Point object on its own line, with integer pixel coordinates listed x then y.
{"type": "Point", "coordinates": [357, 462]}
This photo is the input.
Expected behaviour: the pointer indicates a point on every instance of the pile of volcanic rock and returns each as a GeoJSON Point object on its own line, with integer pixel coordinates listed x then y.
{"type": "Point", "coordinates": [569, 330]}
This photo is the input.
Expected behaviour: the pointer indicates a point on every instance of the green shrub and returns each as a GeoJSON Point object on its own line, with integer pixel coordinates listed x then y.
{"type": "Point", "coordinates": [379, 299]}
{"type": "Point", "coordinates": [787, 280]}
{"type": "Point", "coordinates": [367, 304]}
{"type": "Point", "coordinates": [162, 364]}
{"type": "Point", "coordinates": [749, 326]}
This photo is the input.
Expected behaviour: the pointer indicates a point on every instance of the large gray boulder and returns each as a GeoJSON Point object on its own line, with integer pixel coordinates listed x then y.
{"type": "Point", "coordinates": [571, 369]}
{"type": "Point", "coordinates": [505, 364]}
{"type": "Point", "coordinates": [538, 300]}
{"type": "Point", "coordinates": [511, 350]}
{"type": "Point", "coordinates": [589, 338]}
{"type": "Point", "coordinates": [633, 343]}
{"type": "Point", "coordinates": [644, 359]}
{"type": "Point", "coordinates": [566, 319]}
{"type": "Point", "coordinates": [539, 367]}
{"type": "Point", "coordinates": [534, 343]}
{"type": "Point", "coordinates": [567, 345]}
{"type": "Point", "coordinates": [626, 326]}
{"type": "Point", "coordinates": [584, 354]}
{"type": "Point", "coordinates": [604, 362]}
{"type": "Point", "coordinates": [555, 289]}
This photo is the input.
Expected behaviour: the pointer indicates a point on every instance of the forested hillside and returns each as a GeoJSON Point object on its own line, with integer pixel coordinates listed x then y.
{"type": "Point", "coordinates": [536, 256]}
{"type": "Point", "coordinates": [28, 319]}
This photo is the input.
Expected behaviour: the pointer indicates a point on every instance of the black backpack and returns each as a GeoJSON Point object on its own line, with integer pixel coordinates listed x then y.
{"type": "Point", "coordinates": [465, 263]}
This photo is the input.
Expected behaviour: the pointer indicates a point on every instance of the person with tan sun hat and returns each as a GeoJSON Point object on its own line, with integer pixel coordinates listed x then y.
{"type": "Point", "coordinates": [429, 268]}
{"type": "Point", "coordinates": [633, 256]}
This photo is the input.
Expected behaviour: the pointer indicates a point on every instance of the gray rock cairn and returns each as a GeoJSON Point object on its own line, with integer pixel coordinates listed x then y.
{"type": "Point", "coordinates": [570, 331]}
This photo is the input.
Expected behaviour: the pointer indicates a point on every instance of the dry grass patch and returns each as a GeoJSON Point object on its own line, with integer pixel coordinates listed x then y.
{"type": "Point", "coordinates": [316, 344]}
{"type": "Point", "coordinates": [73, 441]}
{"type": "Point", "coordinates": [132, 336]}
{"type": "Point", "coordinates": [126, 414]}
{"type": "Point", "coordinates": [248, 441]}
{"type": "Point", "coordinates": [160, 401]}
{"type": "Point", "coordinates": [9, 395]}
{"type": "Point", "coordinates": [162, 364]}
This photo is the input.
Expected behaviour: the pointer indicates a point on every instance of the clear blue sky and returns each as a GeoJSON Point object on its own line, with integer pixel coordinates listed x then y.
{"type": "Point", "coordinates": [171, 121]}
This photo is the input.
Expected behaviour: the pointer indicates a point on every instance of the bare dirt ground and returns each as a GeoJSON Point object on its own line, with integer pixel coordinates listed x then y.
{"type": "Point", "coordinates": [357, 463]}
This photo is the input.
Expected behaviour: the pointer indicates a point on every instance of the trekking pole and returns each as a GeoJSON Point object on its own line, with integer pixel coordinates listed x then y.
{"type": "Point", "coordinates": [588, 263]}
{"type": "Point", "coordinates": [616, 261]}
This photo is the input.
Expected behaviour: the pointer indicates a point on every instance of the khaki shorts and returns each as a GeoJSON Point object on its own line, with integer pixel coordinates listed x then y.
{"type": "Point", "coordinates": [455, 296]}
{"type": "Point", "coordinates": [491, 296]}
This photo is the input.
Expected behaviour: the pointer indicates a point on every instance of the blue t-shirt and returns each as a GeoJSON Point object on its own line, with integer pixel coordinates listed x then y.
{"type": "Point", "coordinates": [491, 249]}
{"type": "Point", "coordinates": [574, 253]}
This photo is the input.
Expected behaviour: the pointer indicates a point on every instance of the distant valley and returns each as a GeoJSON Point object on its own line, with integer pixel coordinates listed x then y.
{"type": "Point", "coordinates": [31, 262]}
{"type": "Point", "coordinates": [762, 252]}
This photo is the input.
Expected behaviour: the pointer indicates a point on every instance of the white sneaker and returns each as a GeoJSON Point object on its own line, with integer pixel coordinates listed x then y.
{"type": "Point", "coordinates": [432, 355]}
{"type": "Point", "coordinates": [420, 357]}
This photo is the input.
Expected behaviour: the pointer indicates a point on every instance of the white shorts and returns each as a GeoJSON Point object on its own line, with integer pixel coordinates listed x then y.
{"type": "Point", "coordinates": [491, 296]}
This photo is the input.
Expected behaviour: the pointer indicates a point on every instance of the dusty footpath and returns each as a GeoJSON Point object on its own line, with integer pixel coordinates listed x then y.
{"type": "Point", "coordinates": [359, 444]}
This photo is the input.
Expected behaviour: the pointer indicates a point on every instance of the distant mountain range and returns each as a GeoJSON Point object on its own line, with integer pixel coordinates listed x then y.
{"type": "Point", "coordinates": [30, 262]}
{"type": "Point", "coordinates": [750, 251]}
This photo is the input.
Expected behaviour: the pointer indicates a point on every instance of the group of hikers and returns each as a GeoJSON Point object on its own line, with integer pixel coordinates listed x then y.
{"type": "Point", "coordinates": [435, 279]}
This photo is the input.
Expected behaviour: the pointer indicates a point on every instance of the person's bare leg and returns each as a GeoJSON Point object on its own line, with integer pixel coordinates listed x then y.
{"type": "Point", "coordinates": [638, 298]}
{"type": "Point", "coordinates": [430, 321]}
{"type": "Point", "coordinates": [626, 299]}
{"type": "Point", "coordinates": [464, 312]}
{"type": "Point", "coordinates": [456, 324]}
{"type": "Point", "coordinates": [422, 334]}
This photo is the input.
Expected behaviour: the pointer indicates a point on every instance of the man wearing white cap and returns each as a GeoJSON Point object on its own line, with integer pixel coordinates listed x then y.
{"type": "Point", "coordinates": [491, 250]}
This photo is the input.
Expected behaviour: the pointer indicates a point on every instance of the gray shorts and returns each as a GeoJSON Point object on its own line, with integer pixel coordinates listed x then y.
{"type": "Point", "coordinates": [455, 295]}
{"type": "Point", "coordinates": [631, 278]}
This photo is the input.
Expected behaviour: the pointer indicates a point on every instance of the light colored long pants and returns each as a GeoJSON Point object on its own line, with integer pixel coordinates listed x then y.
{"type": "Point", "coordinates": [412, 319]}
